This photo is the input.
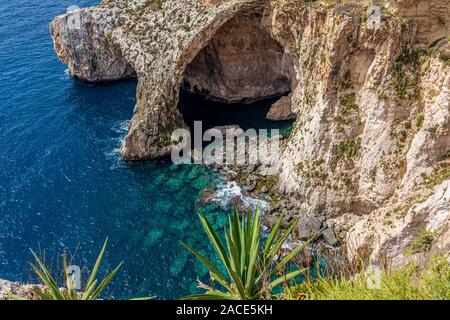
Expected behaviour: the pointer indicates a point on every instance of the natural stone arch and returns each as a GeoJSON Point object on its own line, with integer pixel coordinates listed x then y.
{"type": "Point", "coordinates": [156, 114]}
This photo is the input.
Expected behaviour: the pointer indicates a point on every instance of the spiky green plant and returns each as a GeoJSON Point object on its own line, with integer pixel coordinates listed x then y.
{"type": "Point", "coordinates": [253, 270]}
{"type": "Point", "coordinates": [92, 290]}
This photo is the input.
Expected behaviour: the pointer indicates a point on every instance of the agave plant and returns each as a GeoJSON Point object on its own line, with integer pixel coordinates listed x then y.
{"type": "Point", "coordinates": [253, 270]}
{"type": "Point", "coordinates": [92, 290]}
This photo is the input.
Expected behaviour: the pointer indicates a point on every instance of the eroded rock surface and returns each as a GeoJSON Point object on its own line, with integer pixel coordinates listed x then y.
{"type": "Point", "coordinates": [9, 290]}
{"type": "Point", "coordinates": [242, 63]}
{"type": "Point", "coordinates": [281, 110]}
{"type": "Point", "coordinates": [82, 41]}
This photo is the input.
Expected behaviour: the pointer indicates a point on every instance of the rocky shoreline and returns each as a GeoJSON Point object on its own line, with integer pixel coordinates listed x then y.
{"type": "Point", "coordinates": [11, 290]}
{"type": "Point", "coordinates": [263, 189]}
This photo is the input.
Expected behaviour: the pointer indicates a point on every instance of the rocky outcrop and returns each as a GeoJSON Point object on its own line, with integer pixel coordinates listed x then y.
{"type": "Point", "coordinates": [371, 141]}
{"type": "Point", "coordinates": [82, 41]}
{"type": "Point", "coordinates": [11, 290]}
{"type": "Point", "coordinates": [281, 110]}
{"type": "Point", "coordinates": [365, 131]}
{"type": "Point", "coordinates": [430, 19]}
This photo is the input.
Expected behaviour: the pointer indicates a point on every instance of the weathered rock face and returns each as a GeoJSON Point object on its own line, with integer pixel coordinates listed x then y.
{"type": "Point", "coordinates": [365, 132]}
{"type": "Point", "coordinates": [430, 19]}
{"type": "Point", "coordinates": [281, 110]}
{"type": "Point", "coordinates": [81, 40]}
{"type": "Point", "coordinates": [371, 142]}
{"type": "Point", "coordinates": [9, 289]}
{"type": "Point", "coordinates": [242, 63]}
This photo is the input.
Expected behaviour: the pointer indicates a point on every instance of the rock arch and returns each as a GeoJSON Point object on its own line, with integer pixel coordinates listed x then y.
{"type": "Point", "coordinates": [167, 47]}
{"type": "Point", "coordinates": [156, 114]}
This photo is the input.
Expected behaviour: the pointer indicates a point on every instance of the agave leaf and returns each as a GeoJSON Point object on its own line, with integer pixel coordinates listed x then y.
{"type": "Point", "coordinates": [253, 253]}
{"type": "Point", "coordinates": [238, 282]}
{"type": "Point", "coordinates": [250, 281]}
{"type": "Point", "coordinates": [286, 278]}
{"type": "Point", "coordinates": [235, 259]}
{"type": "Point", "coordinates": [279, 243]}
{"type": "Point", "coordinates": [45, 276]}
{"type": "Point", "coordinates": [212, 295]}
{"type": "Point", "coordinates": [212, 235]}
{"type": "Point", "coordinates": [53, 290]}
{"type": "Point", "coordinates": [71, 293]}
{"type": "Point", "coordinates": [42, 294]}
{"type": "Point", "coordinates": [240, 229]}
{"type": "Point", "coordinates": [235, 233]}
{"type": "Point", "coordinates": [288, 258]}
{"type": "Point", "coordinates": [238, 240]}
{"type": "Point", "coordinates": [220, 281]}
{"type": "Point", "coordinates": [143, 298]}
{"type": "Point", "coordinates": [255, 228]}
{"type": "Point", "coordinates": [273, 234]}
{"type": "Point", "coordinates": [88, 290]}
{"type": "Point", "coordinates": [243, 256]}
{"type": "Point", "coordinates": [97, 265]}
{"type": "Point", "coordinates": [101, 287]}
{"type": "Point", "coordinates": [212, 268]}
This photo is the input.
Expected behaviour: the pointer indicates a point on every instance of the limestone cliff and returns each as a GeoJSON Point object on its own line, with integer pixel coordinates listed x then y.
{"type": "Point", "coordinates": [371, 143]}
{"type": "Point", "coordinates": [82, 41]}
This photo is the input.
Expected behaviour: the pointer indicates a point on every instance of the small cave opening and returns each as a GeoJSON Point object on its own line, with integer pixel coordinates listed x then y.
{"type": "Point", "coordinates": [237, 78]}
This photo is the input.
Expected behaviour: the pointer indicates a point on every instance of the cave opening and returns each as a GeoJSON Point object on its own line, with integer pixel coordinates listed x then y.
{"type": "Point", "coordinates": [237, 78]}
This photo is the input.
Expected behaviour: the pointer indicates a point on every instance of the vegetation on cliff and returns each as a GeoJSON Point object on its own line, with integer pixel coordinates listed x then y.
{"type": "Point", "coordinates": [254, 270]}
{"type": "Point", "coordinates": [430, 282]}
{"type": "Point", "coordinates": [52, 290]}
{"type": "Point", "coordinates": [250, 269]}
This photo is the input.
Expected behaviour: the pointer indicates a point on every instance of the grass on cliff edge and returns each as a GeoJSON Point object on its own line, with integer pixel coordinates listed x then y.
{"type": "Point", "coordinates": [431, 282]}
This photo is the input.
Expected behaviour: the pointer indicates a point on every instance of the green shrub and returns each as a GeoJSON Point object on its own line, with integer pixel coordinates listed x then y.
{"type": "Point", "coordinates": [407, 68]}
{"type": "Point", "coordinates": [445, 58]}
{"type": "Point", "coordinates": [419, 121]}
{"type": "Point", "coordinates": [347, 104]}
{"type": "Point", "coordinates": [349, 149]}
{"type": "Point", "coordinates": [422, 242]}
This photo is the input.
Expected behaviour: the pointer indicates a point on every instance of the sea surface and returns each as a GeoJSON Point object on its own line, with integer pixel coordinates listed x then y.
{"type": "Point", "coordinates": [63, 186]}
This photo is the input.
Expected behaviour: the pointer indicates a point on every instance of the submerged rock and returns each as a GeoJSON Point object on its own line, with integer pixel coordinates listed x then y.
{"type": "Point", "coordinates": [179, 264]}
{"type": "Point", "coordinates": [153, 237]}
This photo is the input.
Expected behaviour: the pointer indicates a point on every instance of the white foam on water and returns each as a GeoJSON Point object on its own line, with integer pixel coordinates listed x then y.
{"type": "Point", "coordinates": [121, 128]}
{"type": "Point", "coordinates": [66, 75]}
{"type": "Point", "coordinates": [229, 190]}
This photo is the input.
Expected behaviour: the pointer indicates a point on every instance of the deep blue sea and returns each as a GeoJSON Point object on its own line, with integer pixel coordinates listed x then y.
{"type": "Point", "coordinates": [62, 183]}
